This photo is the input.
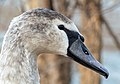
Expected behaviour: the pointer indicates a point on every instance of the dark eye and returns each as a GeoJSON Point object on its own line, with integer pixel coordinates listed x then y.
{"type": "Point", "coordinates": [61, 27]}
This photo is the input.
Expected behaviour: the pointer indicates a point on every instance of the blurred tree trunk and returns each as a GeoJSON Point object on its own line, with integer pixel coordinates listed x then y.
{"type": "Point", "coordinates": [30, 4]}
{"type": "Point", "coordinates": [91, 29]}
{"type": "Point", "coordinates": [53, 69]}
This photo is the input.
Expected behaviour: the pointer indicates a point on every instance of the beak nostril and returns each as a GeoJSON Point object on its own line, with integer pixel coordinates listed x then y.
{"type": "Point", "coordinates": [84, 50]}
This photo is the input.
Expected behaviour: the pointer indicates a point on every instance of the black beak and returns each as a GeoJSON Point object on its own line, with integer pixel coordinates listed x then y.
{"type": "Point", "coordinates": [78, 51]}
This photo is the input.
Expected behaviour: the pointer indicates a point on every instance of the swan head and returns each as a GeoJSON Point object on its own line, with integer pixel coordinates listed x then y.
{"type": "Point", "coordinates": [46, 31]}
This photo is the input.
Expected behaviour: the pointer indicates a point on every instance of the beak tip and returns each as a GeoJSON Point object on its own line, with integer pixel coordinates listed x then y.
{"type": "Point", "coordinates": [82, 55]}
{"type": "Point", "coordinates": [106, 75]}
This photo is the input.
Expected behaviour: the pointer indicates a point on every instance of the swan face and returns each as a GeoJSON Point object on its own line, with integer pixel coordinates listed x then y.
{"type": "Point", "coordinates": [42, 33]}
{"type": "Point", "coordinates": [46, 31]}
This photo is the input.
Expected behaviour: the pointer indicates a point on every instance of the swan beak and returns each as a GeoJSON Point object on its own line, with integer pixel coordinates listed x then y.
{"type": "Point", "coordinates": [78, 52]}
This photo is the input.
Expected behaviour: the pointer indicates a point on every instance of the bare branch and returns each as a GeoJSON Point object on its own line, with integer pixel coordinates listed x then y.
{"type": "Point", "coordinates": [111, 8]}
{"type": "Point", "coordinates": [117, 43]}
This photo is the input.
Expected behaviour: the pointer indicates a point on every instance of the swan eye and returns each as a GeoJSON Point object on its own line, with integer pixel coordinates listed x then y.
{"type": "Point", "coordinates": [61, 27]}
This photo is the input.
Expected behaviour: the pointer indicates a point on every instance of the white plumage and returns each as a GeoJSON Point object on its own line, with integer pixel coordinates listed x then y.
{"type": "Point", "coordinates": [39, 31]}
{"type": "Point", "coordinates": [30, 34]}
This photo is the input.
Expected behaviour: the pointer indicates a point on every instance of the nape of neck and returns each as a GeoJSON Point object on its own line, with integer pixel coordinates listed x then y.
{"type": "Point", "coordinates": [18, 66]}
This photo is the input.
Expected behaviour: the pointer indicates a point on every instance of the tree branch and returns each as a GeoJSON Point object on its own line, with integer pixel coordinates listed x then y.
{"type": "Point", "coordinates": [111, 8]}
{"type": "Point", "coordinates": [117, 43]}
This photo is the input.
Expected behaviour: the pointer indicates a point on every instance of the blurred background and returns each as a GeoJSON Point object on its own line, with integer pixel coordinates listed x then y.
{"type": "Point", "coordinates": [97, 20]}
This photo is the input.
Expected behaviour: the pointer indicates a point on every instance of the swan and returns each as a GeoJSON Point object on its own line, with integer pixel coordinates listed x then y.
{"type": "Point", "coordinates": [40, 31]}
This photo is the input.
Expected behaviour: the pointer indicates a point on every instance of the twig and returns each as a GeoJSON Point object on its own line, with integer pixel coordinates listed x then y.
{"type": "Point", "coordinates": [117, 43]}
{"type": "Point", "coordinates": [117, 5]}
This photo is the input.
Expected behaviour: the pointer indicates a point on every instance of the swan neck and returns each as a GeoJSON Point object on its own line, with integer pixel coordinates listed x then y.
{"type": "Point", "coordinates": [18, 66]}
